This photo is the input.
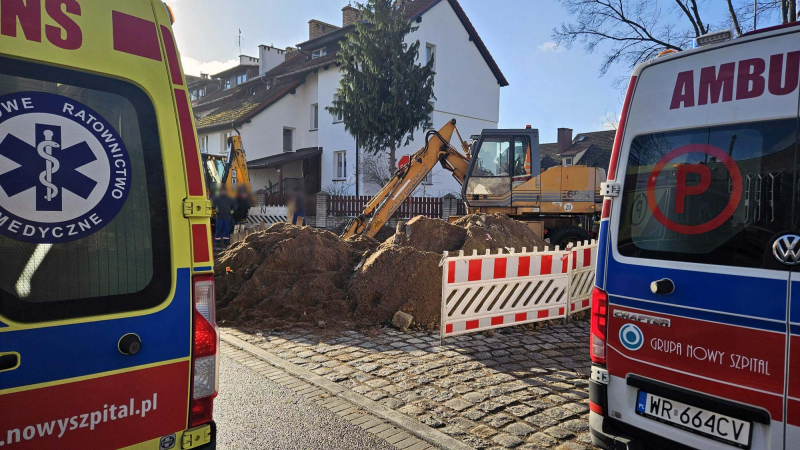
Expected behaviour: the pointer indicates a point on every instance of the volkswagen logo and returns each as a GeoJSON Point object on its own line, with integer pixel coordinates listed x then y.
{"type": "Point", "coordinates": [631, 336]}
{"type": "Point", "coordinates": [787, 249]}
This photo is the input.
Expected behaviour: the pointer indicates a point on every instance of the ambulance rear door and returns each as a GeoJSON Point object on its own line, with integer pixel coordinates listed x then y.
{"type": "Point", "coordinates": [697, 334]}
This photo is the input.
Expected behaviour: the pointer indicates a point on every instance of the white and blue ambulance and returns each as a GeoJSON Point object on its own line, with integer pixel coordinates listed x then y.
{"type": "Point", "coordinates": [695, 321]}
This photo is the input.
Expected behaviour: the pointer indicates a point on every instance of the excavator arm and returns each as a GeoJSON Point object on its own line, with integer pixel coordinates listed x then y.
{"type": "Point", "coordinates": [437, 149]}
{"type": "Point", "coordinates": [236, 175]}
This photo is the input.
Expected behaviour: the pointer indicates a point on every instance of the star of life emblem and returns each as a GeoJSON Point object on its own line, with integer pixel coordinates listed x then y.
{"type": "Point", "coordinates": [64, 170]}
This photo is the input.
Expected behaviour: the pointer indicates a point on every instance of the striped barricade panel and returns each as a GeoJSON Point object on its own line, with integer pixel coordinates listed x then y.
{"type": "Point", "coordinates": [267, 214]}
{"type": "Point", "coordinates": [581, 281]}
{"type": "Point", "coordinates": [481, 292]}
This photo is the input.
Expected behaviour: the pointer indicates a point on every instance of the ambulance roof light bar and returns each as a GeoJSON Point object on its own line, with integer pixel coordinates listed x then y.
{"type": "Point", "coordinates": [712, 38]}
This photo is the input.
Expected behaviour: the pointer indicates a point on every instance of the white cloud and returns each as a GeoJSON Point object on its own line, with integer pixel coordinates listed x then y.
{"type": "Point", "coordinates": [194, 67]}
{"type": "Point", "coordinates": [550, 46]}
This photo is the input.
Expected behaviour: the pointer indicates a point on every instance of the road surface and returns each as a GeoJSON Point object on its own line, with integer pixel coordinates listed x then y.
{"type": "Point", "coordinates": [253, 412]}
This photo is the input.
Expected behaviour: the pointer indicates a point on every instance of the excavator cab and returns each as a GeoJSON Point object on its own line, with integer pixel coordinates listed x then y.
{"type": "Point", "coordinates": [501, 160]}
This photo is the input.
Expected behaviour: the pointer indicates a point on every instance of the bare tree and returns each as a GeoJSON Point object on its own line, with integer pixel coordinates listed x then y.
{"type": "Point", "coordinates": [340, 188]}
{"type": "Point", "coordinates": [635, 31]}
{"type": "Point", "coordinates": [611, 121]}
{"type": "Point", "coordinates": [374, 170]}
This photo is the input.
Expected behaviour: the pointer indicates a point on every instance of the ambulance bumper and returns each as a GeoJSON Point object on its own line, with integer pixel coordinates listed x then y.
{"type": "Point", "coordinates": [211, 445]}
{"type": "Point", "coordinates": [614, 434]}
{"type": "Point", "coordinates": [605, 437]}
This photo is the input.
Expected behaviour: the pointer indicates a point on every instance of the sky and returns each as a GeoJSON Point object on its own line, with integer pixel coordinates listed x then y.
{"type": "Point", "coordinates": [549, 86]}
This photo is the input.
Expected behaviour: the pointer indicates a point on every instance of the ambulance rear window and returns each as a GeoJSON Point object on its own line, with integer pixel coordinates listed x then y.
{"type": "Point", "coordinates": [82, 196]}
{"type": "Point", "coordinates": [714, 195]}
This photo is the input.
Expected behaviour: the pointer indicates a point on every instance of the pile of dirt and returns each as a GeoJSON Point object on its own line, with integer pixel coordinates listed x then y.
{"type": "Point", "coordinates": [398, 279]}
{"type": "Point", "coordinates": [494, 231]}
{"type": "Point", "coordinates": [429, 235]}
{"type": "Point", "coordinates": [288, 274]}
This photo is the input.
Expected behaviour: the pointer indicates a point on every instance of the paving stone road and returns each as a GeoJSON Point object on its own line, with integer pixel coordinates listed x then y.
{"type": "Point", "coordinates": [517, 389]}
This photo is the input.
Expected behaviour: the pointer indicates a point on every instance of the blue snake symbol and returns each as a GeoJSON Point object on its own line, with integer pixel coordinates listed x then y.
{"type": "Point", "coordinates": [45, 150]}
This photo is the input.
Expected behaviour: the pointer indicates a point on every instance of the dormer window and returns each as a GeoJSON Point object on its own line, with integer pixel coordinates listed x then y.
{"type": "Point", "coordinates": [319, 53]}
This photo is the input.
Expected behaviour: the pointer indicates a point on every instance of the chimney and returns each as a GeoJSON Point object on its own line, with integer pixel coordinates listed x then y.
{"type": "Point", "coordinates": [203, 75]}
{"type": "Point", "coordinates": [564, 139]}
{"type": "Point", "coordinates": [350, 16]}
{"type": "Point", "coordinates": [317, 28]}
{"type": "Point", "coordinates": [269, 57]}
{"type": "Point", "coordinates": [290, 51]}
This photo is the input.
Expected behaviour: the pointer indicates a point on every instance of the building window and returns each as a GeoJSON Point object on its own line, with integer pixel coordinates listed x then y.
{"type": "Point", "coordinates": [567, 162]}
{"type": "Point", "coordinates": [338, 116]}
{"type": "Point", "coordinates": [319, 53]}
{"type": "Point", "coordinates": [193, 94]}
{"type": "Point", "coordinates": [227, 84]}
{"type": "Point", "coordinates": [430, 52]}
{"type": "Point", "coordinates": [225, 138]}
{"type": "Point", "coordinates": [204, 144]}
{"type": "Point", "coordinates": [241, 78]}
{"type": "Point", "coordinates": [340, 161]}
{"type": "Point", "coordinates": [288, 135]}
{"type": "Point", "coordinates": [314, 116]}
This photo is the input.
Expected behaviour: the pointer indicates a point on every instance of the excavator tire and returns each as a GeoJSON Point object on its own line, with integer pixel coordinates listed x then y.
{"type": "Point", "coordinates": [563, 236]}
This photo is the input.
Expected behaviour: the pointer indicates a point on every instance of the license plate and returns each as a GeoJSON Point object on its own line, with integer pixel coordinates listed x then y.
{"type": "Point", "coordinates": [691, 418]}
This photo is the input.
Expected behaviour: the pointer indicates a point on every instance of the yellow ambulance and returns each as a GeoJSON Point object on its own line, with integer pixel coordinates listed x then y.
{"type": "Point", "coordinates": [107, 331]}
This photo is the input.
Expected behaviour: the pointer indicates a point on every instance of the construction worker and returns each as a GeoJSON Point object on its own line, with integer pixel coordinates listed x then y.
{"type": "Point", "coordinates": [225, 206]}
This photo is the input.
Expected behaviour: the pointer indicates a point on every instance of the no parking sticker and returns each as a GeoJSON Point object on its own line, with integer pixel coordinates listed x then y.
{"type": "Point", "coordinates": [64, 170]}
{"type": "Point", "coordinates": [683, 190]}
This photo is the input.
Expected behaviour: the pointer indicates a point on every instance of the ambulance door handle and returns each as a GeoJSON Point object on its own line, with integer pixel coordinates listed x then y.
{"type": "Point", "coordinates": [664, 286]}
{"type": "Point", "coordinates": [9, 361]}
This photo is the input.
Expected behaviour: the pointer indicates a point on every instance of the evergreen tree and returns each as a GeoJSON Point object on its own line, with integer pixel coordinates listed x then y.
{"type": "Point", "coordinates": [384, 93]}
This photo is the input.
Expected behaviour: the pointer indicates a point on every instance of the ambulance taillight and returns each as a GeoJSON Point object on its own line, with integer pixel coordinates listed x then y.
{"type": "Point", "coordinates": [599, 325]}
{"type": "Point", "coordinates": [205, 352]}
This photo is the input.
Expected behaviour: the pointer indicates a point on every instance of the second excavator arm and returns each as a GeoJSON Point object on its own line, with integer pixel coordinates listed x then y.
{"type": "Point", "coordinates": [437, 149]}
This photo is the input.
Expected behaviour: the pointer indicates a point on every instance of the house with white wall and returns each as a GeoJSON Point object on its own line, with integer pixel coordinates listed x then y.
{"type": "Point", "coordinates": [290, 138]}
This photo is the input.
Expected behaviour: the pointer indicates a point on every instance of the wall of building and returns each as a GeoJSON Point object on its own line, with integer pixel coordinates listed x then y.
{"type": "Point", "coordinates": [261, 178]}
{"type": "Point", "coordinates": [333, 136]}
{"type": "Point", "coordinates": [263, 136]}
{"type": "Point", "coordinates": [464, 86]}
{"type": "Point", "coordinates": [465, 89]}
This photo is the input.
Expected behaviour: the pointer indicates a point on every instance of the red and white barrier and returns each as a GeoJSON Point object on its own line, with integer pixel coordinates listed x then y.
{"type": "Point", "coordinates": [481, 292]}
{"type": "Point", "coordinates": [581, 280]}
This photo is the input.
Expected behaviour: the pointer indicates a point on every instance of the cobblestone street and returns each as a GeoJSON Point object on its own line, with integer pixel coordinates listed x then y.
{"type": "Point", "coordinates": [517, 389]}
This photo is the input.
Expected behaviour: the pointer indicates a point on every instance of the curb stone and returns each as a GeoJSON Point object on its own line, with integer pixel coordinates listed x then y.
{"type": "Point", "coordinates": [400, 420]}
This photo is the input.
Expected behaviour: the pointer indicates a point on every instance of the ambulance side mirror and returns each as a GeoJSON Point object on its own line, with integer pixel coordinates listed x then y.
{"type": "Point", "coordinates": [664, 286]}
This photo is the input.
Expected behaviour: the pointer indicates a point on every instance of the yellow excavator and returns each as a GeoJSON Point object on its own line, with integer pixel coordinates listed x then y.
{"type": "Point", "coordinates": [499, 173]}
{"type": "Point", "coordinates": [229, 172]}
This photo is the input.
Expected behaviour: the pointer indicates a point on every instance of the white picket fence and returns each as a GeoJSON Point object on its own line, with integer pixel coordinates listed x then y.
{"type": "Point", "coordinates": [481, 292]}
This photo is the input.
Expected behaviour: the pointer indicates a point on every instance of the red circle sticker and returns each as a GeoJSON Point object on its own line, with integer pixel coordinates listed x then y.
{"type": "Point", "coordinates": [730, 208]}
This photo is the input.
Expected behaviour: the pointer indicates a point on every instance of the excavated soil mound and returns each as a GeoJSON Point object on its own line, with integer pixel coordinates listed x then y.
{"type": "Point", "coordinates": [430, 235]}
{"type": "Point", "coordinates": [288, 274]}
{"type": "Point", "coordinates": [494, 231]}
{"type": "Point", "coordinates": [398, 278]}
